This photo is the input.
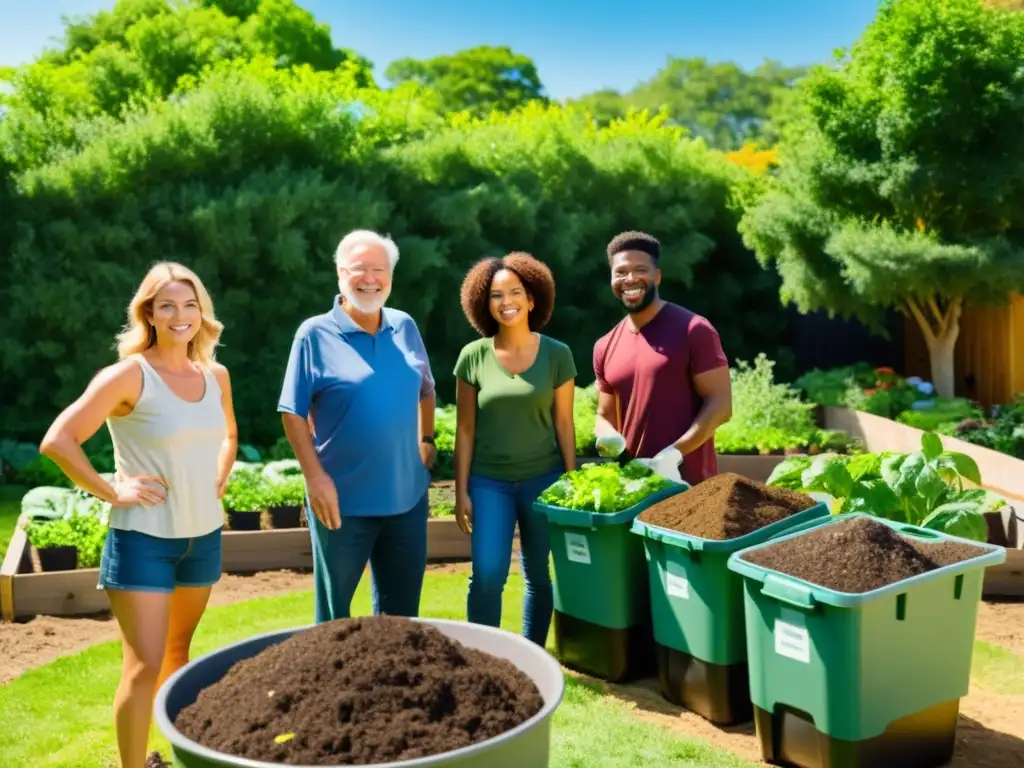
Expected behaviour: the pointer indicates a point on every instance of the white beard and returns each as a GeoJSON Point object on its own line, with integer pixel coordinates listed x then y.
{"type": "Point", "coordinates": [365, 303]}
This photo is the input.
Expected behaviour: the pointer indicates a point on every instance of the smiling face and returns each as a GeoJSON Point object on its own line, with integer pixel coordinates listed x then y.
{"type": "Point", "coordinates": [364, 278]}
{"type": "Point", "coordinates": [635, 279]}
{"type": "Point", "coordinates": [175, 314]}
{"type": "Point", "coordinates": [510, 303]}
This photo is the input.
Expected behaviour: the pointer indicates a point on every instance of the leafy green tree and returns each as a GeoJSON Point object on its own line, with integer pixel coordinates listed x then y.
{"type": "Point", "coordinates": [477, 80]}
{"type": "Point", "coordinates": [902, 187]}
{"type": "Point", "coordinates": [720, 102]}
{"type": "Point", "coordinates": [143, 51]}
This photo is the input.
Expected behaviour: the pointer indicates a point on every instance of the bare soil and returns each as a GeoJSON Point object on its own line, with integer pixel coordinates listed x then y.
{"type": "Point", "coordinates": [361, 691]}
{"type": "Point", "coordinates": [990, 733]}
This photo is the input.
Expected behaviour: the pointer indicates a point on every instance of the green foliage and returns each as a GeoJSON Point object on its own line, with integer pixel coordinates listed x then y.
{"type": "Point", "coordinates": [477, 80]}
{"type": "Point", "coordinates": [253, 177]}
{"type": "Point", "coordinates": [925, 488]}
{"type": "Point", "coordinates": [584, 414]}
{"type": "Point", "coordinates": [144, 51]}
{"type": "Point", "coordinates": [81, 528]}
{"type": "Point", "coordinates": [56, 503]}
{"type": "Point", "coordinates": [248, 490]}
{"type": "Point", "coordinates": [604, 487]}
{"type": "Point", "coordinates": [942, 415]}
{"type": "Point", "coordinates": [289, 491]}
{"type": "Point", "coordinates": [717, 101]}
{"type": "Point", "coordinates": [830, 387]}
{"type": "Point", "coordinates": [1004, 432]}
{"type": "Point", "coordinates": [878, 202]}
{"type": "Point", "coordinates": [767, 417]}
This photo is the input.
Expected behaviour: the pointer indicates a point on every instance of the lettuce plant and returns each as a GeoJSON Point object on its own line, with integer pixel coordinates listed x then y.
{"type": "Point", "coordinates": [605, 487]}
{"type": "Point", "coordinates": [926, 488]}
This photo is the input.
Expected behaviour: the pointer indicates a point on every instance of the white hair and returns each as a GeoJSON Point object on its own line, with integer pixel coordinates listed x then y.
{"type": "Point", "coordinates": [366, 237]}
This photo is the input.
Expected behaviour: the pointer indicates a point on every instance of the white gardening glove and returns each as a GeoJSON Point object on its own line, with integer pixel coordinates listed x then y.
{"type": "Point", "coordinates": [666, 463]}
{"type": "Point", "coordinates": [610, 446]}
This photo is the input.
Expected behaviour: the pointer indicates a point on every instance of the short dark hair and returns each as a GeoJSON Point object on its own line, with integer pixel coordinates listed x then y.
{"type": "Point", "coordinates": [535, 276]}
{"type": "Point", "coordinates": [635, 241]}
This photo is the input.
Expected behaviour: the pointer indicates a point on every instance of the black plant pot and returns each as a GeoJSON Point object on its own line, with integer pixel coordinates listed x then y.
{"type": "Point", "coordinates": [58, 558]}
{"type": "Point", "coordinates": [243, 521]}
{"type": "Point", "coordinates": [285, 517]}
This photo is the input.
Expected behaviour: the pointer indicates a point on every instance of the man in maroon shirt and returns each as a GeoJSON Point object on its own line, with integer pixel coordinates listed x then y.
{"type": "Point", "coordinates": [662, 376]}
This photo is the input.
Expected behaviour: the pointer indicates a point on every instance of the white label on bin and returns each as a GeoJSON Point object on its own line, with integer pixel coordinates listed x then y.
{"type": "Point", "coordinates": [677, 586]}
{"type": "Point", "coordinates": [792, 641]}
{"type": "Point", "coordinates": [577, 548]}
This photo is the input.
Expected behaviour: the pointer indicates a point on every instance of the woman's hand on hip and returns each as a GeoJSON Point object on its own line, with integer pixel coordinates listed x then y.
{"type": "Point", "coordinates": [464, 513]}
{"type": "Point", "coordinates": [323, 498]}
{"type": "Point", "coordinates": [135, 490]}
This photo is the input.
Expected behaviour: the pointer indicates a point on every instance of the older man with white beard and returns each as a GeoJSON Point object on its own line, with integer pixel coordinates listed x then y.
{"type": "Point", "coordinates": [358, 409]}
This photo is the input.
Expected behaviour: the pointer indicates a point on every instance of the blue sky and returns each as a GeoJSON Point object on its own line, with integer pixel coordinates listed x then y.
{"type": "Point", "coordinates": [578, 46]}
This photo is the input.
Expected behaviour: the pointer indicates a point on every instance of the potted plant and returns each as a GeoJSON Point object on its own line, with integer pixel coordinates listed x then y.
{"type": "Point", "coordinates": [54, 540]}
{"type": "Point", "coordinates": [285, 499]}
{"type": "Point", "coordinates": [245, 498]}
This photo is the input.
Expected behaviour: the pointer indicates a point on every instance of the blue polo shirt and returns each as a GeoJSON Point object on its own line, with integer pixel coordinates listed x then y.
{"type": "Point", "coordinates": [363, 391]}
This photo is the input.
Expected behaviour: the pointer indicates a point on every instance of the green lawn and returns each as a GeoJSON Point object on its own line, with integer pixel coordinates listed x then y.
{"type": "Point", "coordinates": [10, 508]}
{"type": "Point", "coordinates": [59, 714]}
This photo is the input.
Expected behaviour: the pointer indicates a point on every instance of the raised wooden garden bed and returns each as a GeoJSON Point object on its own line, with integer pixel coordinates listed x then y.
{"type": "Point", "coordinates": [25, 593]}
{"type": "Point", "coordinates": [999, 472]}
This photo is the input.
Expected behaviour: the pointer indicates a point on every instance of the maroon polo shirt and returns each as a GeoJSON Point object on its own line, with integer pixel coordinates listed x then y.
{"type": "Point", "coordinates": [651, 372]}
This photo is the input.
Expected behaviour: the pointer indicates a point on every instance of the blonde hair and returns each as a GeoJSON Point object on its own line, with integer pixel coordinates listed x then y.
{"type": "Point", "coordinates": [139, 335]}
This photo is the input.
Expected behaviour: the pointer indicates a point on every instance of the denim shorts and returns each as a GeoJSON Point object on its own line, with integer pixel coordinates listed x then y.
{"type": "Point", "coordinates": [137, 561]}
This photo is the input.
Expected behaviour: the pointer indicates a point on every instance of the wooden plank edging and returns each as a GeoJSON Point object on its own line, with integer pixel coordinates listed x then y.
{"type": "Point", "coordinates": [74, 593]}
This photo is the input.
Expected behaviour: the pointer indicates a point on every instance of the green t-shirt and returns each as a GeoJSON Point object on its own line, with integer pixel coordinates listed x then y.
{"type": "Point", "coordinates": [515, 431]}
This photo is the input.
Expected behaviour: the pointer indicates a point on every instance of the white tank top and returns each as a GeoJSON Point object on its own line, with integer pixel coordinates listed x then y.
{"type": "Point", "coordinates": [179, 441]}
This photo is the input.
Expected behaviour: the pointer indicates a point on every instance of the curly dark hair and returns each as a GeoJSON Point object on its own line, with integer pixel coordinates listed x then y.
{"type": "Point", "coordinates": [635, 241]}
{"type": "Point", "coordinates": [536, 278]}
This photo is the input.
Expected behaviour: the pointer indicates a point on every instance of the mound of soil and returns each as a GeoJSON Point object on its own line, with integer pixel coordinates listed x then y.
{"type": "Point", "coordinates": [725, 506]}
{"type": "Point", "coordinates": [858, 555]}
{"type": "Point", "coordinates": [358, 692]}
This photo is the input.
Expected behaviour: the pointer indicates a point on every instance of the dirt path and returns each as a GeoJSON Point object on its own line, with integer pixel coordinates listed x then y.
{"type": "Point", "coordinates": [39, 641]}
{"type": "Point", "coordinates": [990, 732]}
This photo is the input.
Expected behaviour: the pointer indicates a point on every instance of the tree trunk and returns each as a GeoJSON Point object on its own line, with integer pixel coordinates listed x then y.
{"type": "Point", "coordinates": [940, 328]}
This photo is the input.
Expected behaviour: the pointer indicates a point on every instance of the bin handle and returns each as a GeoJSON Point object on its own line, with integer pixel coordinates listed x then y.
{"type": "Point", "coordinates": [788, 592]}
{"type": "Point", "coordinates": [661, 537]}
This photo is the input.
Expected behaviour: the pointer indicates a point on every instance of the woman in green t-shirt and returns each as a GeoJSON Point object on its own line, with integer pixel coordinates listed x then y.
{"type": "Point", "coordinates": [514, 433]}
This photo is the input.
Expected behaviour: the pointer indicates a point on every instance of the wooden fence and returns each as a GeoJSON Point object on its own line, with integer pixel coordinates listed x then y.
{"type": "Point", "coordinates": [989, 352]}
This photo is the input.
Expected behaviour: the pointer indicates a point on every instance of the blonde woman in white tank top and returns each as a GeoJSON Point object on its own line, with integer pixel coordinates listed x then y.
{"type": "Point", "coordinates": [167, 405]}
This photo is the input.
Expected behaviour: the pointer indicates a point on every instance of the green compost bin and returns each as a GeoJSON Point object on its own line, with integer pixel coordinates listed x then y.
{"type": "Point", "coordinates": [602, 617]}
{"type": "Point", "coordinates": [861, 680]}
{"type": "Point", "coordinates": [697, 615]}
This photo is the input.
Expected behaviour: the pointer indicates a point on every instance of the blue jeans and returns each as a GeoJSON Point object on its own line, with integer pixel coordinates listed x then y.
{"type": "Point", "coordinates": [497, 506]}
{"type": "Point", "coordinates": [133, 560]}
{"type": "Point", "coordinates": [395, 547]}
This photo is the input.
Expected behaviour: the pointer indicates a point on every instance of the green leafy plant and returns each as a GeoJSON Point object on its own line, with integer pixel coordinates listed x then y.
{"type": "Point", "coordinates": [46, 534]}
{"type": "Point", "coordinates": [604, 487]}
{"type": "Point", "coordinates": [248, 490]}
{"type": "Point", "coordinates": [940, 415]}
{"type": "Point", "coordinates": [444, 442]}
{"type": "Point", "coordinates": [767, 417]}
{"type": "Point", "coordinates": [287, 491]}
{"type": "Point", "coordinates": [1004, 432]}
{"type": "Point", "coordinates": [829, 387]}
{"type": "Point", "coordinates": [925, 488]}
{"type": "Point", "coordinates": [85, 532]}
